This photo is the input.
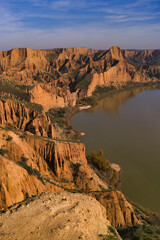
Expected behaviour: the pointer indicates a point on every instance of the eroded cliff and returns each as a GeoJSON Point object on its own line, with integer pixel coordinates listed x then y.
{"type": "Point", "coordinates": [60, 77]}
{"type": "Point", "coordinates": [18, 116]}
{"type": "Point", "coordinates": [33, 165]}
{"type": "Point", "coordinates": [36, 157]}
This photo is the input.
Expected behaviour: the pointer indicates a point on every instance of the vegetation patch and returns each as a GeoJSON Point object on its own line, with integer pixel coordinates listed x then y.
{"type": "Point", "coordinates": [150, 230]}
{"type": "Point", "coordinates": [31, 171]}
{"type": "Point", "coordinates": [87, 101]}
{"type": "Point", "coordinates": [34, 106]}
{"type": "Point", "coordinates": [75, 166]}
{"type": "Point", "coordinates": [112, 230]}
{"type": "Point", "coordinates": [3, 151]}
{"type": "Point", "coordinates": [146, 216]}
{"type": "Point", "coordinates": [9, 138]}
{"type": "Point", "coordinates": [84, 81]}
{"type": "Point", "coordinates": [24, 159]}
{"type": "Point", "coordinates": [140, 232]}
{"type": "Point", "coordinates": [101, 90]}
{"type": "Point", "coordinates": [25, 87]}
{"type": "Point", "coordinates": [58, 116]}
{"type": "Point", "coordinates": [103, 168]}
{"type": "Point", "coordinates": [108, 237]}
{"type": "Point", "coordinates": [22, 136]}
{"type": "Point", "coordinates": [10, 88]}
{"type": "Point", "coordinates": [98, 160]}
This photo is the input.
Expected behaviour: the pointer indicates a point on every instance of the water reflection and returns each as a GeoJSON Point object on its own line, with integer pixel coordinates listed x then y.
{"type": "Point", "coordinates": [112, 103]}
{"type": "Point", "coordinates": [126, 126]}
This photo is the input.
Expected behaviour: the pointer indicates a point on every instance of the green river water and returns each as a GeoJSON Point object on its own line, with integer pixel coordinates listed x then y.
{"type": "Point", "coordinates": [126, 125]}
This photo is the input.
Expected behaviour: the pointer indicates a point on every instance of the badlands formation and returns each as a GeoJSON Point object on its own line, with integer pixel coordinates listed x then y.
{"type": "Point", "coordinates": [47, 188]}
{"type": "Point", "coordinates": [60, 77]}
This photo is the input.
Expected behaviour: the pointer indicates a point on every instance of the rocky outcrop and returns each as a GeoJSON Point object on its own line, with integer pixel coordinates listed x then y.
{"type": "Point", "coordinates": [67, 161]}
{"type": "Point", "coordinates": [22, 58]}
{"type": "Point", "coordinates": [142, 57]}
{"type": "Point", "coordinates": [119, 211]}
{"type": "Point", "coordinates": [16, 115]}
{"type": "Point", "coordinates": [16, 183]}
{"type": "Point", "coordinates": [51, 166]}
{"type": "Point", "coordinates": [146, 61]}
{"type": "Point", "coordinates": [57, 216]}
{"type": "Point", "coordinates": [118, 72]}
{"type": "Point", "coordinates": [52, 98]}
{"type": "Point", "coordinates": [116, 76]}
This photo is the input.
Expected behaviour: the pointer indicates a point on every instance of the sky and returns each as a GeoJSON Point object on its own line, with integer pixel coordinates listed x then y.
{"type": "Point", "coordinates": [99, 24]}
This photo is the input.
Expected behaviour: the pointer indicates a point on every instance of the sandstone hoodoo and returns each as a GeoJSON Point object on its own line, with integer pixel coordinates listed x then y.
{"type": "Point", "coordinates": [39, 151]}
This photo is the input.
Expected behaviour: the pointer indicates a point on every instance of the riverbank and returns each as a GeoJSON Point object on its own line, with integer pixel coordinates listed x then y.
{"type": "Point", "coordinates": [126, 126]}
{"type": "Point", "coordinates": [89, 103]}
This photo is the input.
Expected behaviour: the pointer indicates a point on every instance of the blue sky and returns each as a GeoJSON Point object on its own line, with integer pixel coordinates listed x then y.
{"type": "Point", "coordinates": [85, 23]}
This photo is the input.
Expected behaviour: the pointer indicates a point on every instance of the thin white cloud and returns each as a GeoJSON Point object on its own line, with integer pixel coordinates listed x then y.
{"type": "Point", "coordinates": [141, 10]}
{"type": "Point", "coordinates": [63, 4]}
{"type": "Point", "coordinates": [102, 34]}
{"type": "Point", "coordinates": [9, 21]}
{"type": "Point", "coordinates": [126, 18]}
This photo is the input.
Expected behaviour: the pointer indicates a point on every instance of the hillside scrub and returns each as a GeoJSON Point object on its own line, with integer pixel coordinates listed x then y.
{"type": "Point", "coordinates": [98, 160]}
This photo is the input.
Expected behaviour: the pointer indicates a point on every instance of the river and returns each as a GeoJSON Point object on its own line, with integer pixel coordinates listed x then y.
{"type": "Point", "coordinates": [126, 125]}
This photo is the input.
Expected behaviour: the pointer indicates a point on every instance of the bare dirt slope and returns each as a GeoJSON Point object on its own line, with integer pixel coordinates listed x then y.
{"type": "Point", "coordinates": [61, 216]}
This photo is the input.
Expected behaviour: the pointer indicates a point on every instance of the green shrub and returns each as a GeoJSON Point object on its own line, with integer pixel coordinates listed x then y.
{"type": "Point", "coordinates": [34, 106]}
{"type": "Point", "coordinates": [107, 237]}
{"type": "Point", "coordinates": [23, 158]}
{"type": "Point", "coordinates": [22, 136]}
{"type": "Point", "coordinates": [88, 101]}
{"type": "Point", "coordinates": [3, 151]}
{"type": "Point", "coordinates": [112, 230]}
{"type": "Point", "coordinates": [142, 232]}
{"type": "Point", "coordinates": [9, 87]}
{"type": "Point", "coordinates": [58, 115]}
{"type": "Point", "coordinates": [75, 166]}
{"type": "Point", "coordinates": [98, 160]}
{"type": "Point", "coordinates": [104, 89]}
{"type": "Point", "coordinates": [111, 237]}
{"type": "Point", "coordinates": [25, 87]}
{"type": "Point", "coordinates": [9, 138]}
{"type": "Point", "coordinates": [31, 171]}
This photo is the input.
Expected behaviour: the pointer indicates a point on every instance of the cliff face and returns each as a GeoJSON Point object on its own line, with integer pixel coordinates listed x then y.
{"type": "Point", "coordinates": [35, 165]}
{"type": "Point", "coordinates": [50, 97]}
{"type": "Point", "coordinates": [67, 161]}
{"type": "Point", "coordinates": [50, 165]}
{"type": "Point", "coordinates": [142, 57]}
{"type": "Point", "coordinates": [119, 211]}
{"type": "Point", "coordinates": [18, 59]}
{"type": "Point", "coordinates": [147, 61]}
{"type": "Point", "coordinates": [60, 77]}
{"type": "Point", "coordinates": [16, 115]}
{"type": "Point", "coordinates": [16, 184]}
